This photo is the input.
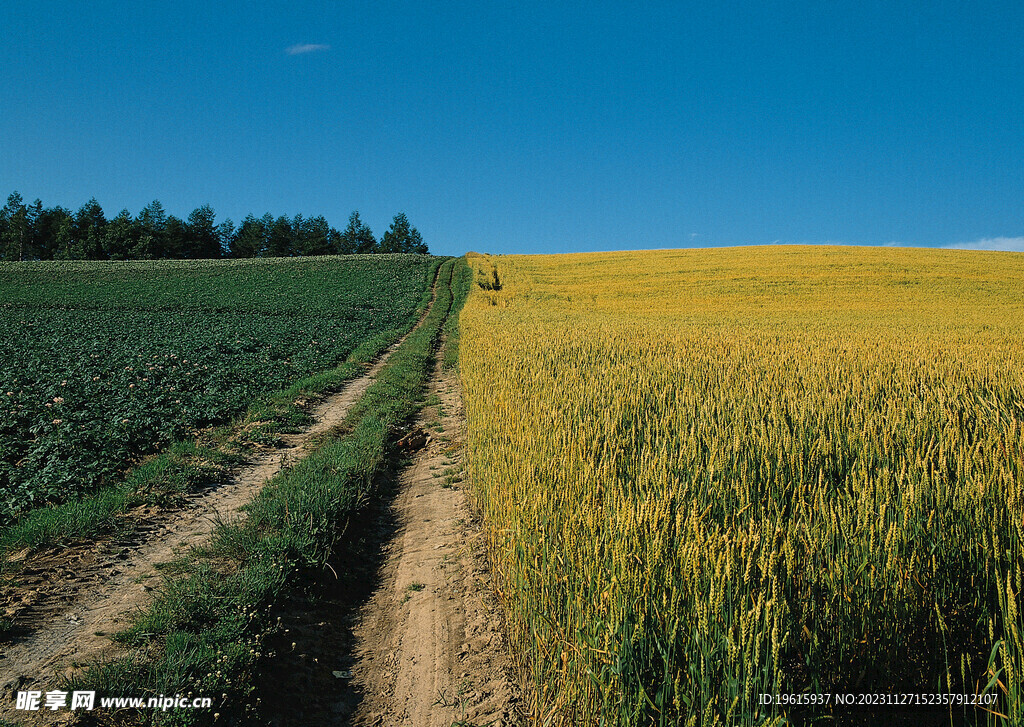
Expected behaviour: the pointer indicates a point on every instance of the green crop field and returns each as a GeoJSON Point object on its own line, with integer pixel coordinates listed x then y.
{"type": "Point", "coordinates": [103, 363]}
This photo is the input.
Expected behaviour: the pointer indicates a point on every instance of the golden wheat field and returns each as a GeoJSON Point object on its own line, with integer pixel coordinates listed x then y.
{"type": "Point", "coordinates": [711, 475]}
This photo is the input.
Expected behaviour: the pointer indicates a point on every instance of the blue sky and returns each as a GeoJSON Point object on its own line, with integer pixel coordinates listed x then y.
{"type": "Point", "coordinates": [532, 126]}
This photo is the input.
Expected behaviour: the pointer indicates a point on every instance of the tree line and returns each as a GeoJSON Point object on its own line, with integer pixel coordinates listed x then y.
{"type": "Point", "coordinates": [34, 232]}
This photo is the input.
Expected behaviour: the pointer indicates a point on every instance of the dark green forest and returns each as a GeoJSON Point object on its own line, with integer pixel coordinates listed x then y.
{"type": "Point", "coordinates": [34, 232]}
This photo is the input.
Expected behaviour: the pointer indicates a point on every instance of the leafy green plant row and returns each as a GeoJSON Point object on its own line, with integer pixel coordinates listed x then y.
{"type": "Point", "coordinates": [326, 286]}
{"type": "Point", "coordinates": [105, 364]}
{"type": "Point", "coordinates": [204, 634]}
{"type": "Point", "coordinates": [190, 464]}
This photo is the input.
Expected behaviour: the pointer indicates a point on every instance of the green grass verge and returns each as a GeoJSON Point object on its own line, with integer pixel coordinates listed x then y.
{"type": "Point", "coordinates": [187, 466]}
{"type": "Point", "coordinates": [204, 633]}
{"type": "Point", "coordinates": [462, 280]}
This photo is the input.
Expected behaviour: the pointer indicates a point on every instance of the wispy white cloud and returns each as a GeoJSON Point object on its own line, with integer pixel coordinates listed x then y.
{"type": "Point", "coordinates": [1015, 244]}
{"type": "Point", "coordinates": [297, 50]}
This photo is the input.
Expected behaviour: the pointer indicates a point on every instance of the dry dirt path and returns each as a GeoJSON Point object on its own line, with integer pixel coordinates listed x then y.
{"type": "Point", "coordinates": [429, 643]}
{"type": "Point", "coordinates": [74, 599]}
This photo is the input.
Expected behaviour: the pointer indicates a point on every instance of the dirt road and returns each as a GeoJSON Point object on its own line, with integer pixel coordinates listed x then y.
{"type": "Point", "coordinates": [429, 644]}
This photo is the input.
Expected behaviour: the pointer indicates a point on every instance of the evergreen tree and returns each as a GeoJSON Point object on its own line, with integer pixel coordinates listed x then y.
{"type": "Point", "coordinates": [152, 222]}
{"type": "Point", "coordinates": [333, 241]}
{"type": "Point", "coordinates": [34, 232]}
{"type": "Point", "coordinates": [177, 245]}
{"type": "Point", "coordinates": [33, 248]}
{"type": "Point", "coordinates": [201, 233]}
{"type": "Point", "coordinates": [298, 226]}
{"type": "Point", "coordinates": [146, 246]}
{"type": "Point", "coordinates": [314, 236]}
{"type": "Point", "coordinates": [120, 237]}
{"type": "Point", "coordinates": [88, 230]}
{"type": "Point", "coordinates": [281, 238]}
{"type": "Point", "coordinates": [65, 246]}
{"type": "Point", "coordinates": [225, 234]}
{"type": "Point", "coordinates": [357, 238]}
{"type": "Point", "coordinates": [14, 229]}
{"type": "Point", "coordinates": [250, 240]}
{"type": "Point", "coordinates": [416, 244]}
{"type": "Point", "coordinates": [402, 237]}
{"type": "Point", "coordinates": [48, 224]}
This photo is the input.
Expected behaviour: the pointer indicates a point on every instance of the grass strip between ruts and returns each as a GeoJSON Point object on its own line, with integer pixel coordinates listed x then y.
{"type": "Point", "coordinates": [462, 279]}
{"type": "Point", "coordinates": [203, 634]}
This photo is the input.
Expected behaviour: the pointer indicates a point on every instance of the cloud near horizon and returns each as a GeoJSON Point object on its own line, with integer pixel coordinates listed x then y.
{"type": "Point", "coordinates": [1009, 244]}
{"type": "Point", "coordinates": [1013, 244]}
{"type": "Point", "coordinates": [301, 48]}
